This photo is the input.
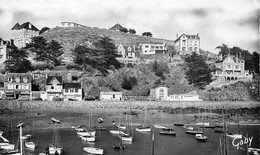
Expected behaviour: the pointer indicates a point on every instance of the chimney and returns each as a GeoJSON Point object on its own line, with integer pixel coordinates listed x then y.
{"type": "Point", "coordinates": [177, 35]}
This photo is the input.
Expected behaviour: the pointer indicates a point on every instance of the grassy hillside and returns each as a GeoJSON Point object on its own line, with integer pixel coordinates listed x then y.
{"type": "Point", "coordinates": [70, 37]}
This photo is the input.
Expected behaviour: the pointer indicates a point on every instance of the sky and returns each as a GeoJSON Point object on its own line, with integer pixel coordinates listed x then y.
{"type": "Point", "coordinates": [232, 22]}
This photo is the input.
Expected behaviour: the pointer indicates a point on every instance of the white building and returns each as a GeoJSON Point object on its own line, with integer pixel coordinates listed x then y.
{"type": "Point", "coordinates": [186, 44]}
{"type": "Point", "coordinates": [72, 91]}
{"type": "Point", "coordinates": [160, 93]}
{"type": "Point", "coordinates": [127, 53]}
{"type": "Point", "coordinates": [54, 87]}
{"type": "Point", "coordinates": [152, 48]}
{"type": "Point", "coordinates": [70, 24]}
{"type": "Point", "coordinates": [110, 96]}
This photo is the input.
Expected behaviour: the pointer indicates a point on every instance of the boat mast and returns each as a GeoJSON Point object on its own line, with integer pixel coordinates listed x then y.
{"type": "Point", "coordinates": [153, 143]}
{"type": "Point", "coordinates": [21, 142]}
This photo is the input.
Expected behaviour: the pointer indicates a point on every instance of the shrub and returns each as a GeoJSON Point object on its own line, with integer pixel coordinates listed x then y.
{"type": "Point", "coordinates": [43, 66]}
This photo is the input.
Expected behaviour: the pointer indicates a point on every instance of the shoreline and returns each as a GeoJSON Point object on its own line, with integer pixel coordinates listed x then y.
{"type": "Point", "coordinates": [38, 113]}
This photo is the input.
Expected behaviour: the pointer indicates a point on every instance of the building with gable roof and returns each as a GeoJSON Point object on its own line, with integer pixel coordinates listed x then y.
{"type": "Point", "coordinates": [5, 48]}
{"type": "Point", "coordinates": [152, 48]}
{"type": "Point", "coordinates": [116, 27]}
{"type": "Point", "coordinates": [18, 84]}
{"type": "Point", "coordinates": [232, 68]}
{"type": "Point", "coordinates": [54, 87]}
{"type": "Point", "coordinates": [186, 44]}
{"type": "Point", "coordinates": [128, 54]}
{"type": "Point", "coordinates": [159, 92]}
{"type": "Point", "coordinates": [72, 91]}
{"type": "Point", "coordinates": [22, 34]}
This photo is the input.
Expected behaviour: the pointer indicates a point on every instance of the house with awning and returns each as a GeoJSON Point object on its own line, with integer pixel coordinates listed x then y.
{"type": "Point", "coordinates": [17, 85]}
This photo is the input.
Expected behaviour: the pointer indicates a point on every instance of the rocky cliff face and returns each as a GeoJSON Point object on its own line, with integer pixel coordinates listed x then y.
{"type": "Point", "coordinates": [71, 37]}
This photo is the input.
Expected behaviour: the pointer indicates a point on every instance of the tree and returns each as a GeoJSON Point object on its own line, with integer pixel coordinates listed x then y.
{"type": "Point", "coordinates": [48, 52]}
{"type": "Point", "coordinates": [18, 62]}
{"type": "Point", "coordinates": [160, 69]}
{"type": "Point", "coordinates": [224, 50]}
{"type": "Point", "coordinates": [124, 30]}
{"type": "Point", "coordinates": [44, 29]}
{"type": "Point", "coordinates": [132, 31]}
{"type": "Point", "coordinates": [101, 58]}
{"type": "Point", "coordinates": [147, 34]}
{"type": "Point", "coordinates": [197, 71]}
{"type": "Point", "coordinates": [129, 82]}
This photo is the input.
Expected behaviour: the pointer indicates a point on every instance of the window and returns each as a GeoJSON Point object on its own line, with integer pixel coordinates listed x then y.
{"type": "Point", "coordinates": [191, 42]}
{"type": "Point", "coordinates": [17, 79]}
{"type": "Point", "coordinates": [190, 48]}
{"type": "Point", "coordinates": [195, 49]}
{"type": "Point", "coordinates": [10, 86]}
{"type": "Point", "coordinates": [1, 50]}
{"type": "Point", "coordinates": [27, 35]}
{"type": "Point", "coordinates": [145, 51]}
{"type": "Point", "coordinates": [25, 86]}
{"type": "Point", "coordinates": [25, 79]}
{"type": "Point", "coordinates": [184, 42]}
{"type": "Point", "coordinates": [152, 47]}
{"type": "Point", "coordinates": [183, 48]}
{"type": "Point", "coordinates": [9, 79]}
{"type": "Point", "coordinates": [17, 86]}
{"type": "Point", "coordinates": [66, 90]}
{"type": "Point", "coordinates": [161, 90]}
{"type": "Point", "coordinates": [146, 46]}
{"type": "Point", "coordinates": [237, 67]}
{"type": "Point", "coordinates": [71, 90]}
{"type": "Point", "coordinates": [76, 90]}
{"type": "Point", "coordinates": [196, 42]}
{"type": "Point", "coordinates": [1, 56]}
{"type": "Point", "coordinates": [74, 78]}
{"type": "Point", "coordinates": [52, 87]}
{"type": "Point", "coordinates": [114, 96]}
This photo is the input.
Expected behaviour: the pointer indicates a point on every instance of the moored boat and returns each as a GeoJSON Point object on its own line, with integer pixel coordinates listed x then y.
{"type": "Point", "coordinates": [88, 138]}
{"type": "Point", "coordinates": [168, 132]}
{"type": "Point", "coordinates": [117, 132]}
{"type": "Point", "coordinates": [201, 137]}
{"type": "Point", "coordinates": [93, 150]}
{"type": "Point", "coordinates": [159, 126]}
{"type": "Point", "coordinates": [54, 150]}
{"type": "Point", "coordinates": [120, 126]}
{"type": "Point", "coordinates": [188, 127]}
{"type": "Point", "coordinates": [143, 128]}
{"type": "Point", "coordinates": [126, 138]}
{"type": "Point", "coordinates": [232, 135]}
{"type": "Point", "coordinates": [30, 145]}
{"type": "Point", "coordinates": [86, 133]}
{"type": "Point", "coordinates": [194, 132]}
{"type": "Point", "coordinates": [254, 151]}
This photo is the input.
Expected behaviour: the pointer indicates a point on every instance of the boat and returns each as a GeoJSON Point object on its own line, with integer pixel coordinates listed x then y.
{"type": "Point", "coordinates": [30, 145]}
{"type": "Point", "coordinates": [158, 126]}
{"type": "Point", "coordinates": [120, 126]}
{"type": "Point", "coordinates": [126, 138]}
{"type": "Point", "coordinates": [88, 138]}
{"type": "Point", "coordinates": [117, 132]}
{"type": "Point", "coordinates": [167, 129]}
{"type": "Point", "coordinates": [53, 148]}
{"type": "Point", "coordinates": [188, 127]}
{"type": "Point", "coordinates": [253, 151]}
{"type": "Point", "coordinates": [201, 137]}
{"type": "Point", "coordinates": [168, 132]}
{"type": "Point", "coordinates": [93, 150]}
{"type": "Point", "coordinates": [4, 144]}
{"type": "Point", "coordinates": [143, 128]}
{"type": "Point", "coordinates": [86, 133]}
{"type": "Point", "coordinates": [25, 137]}
{"type": "Point", "coordinates": [118, 146]}
{"type": "Point", "coordinates": [194, 132]}
{"type": "Point", "coordinates": [54, 120]}
{"type": "Point", "coordinates": [236, 135]}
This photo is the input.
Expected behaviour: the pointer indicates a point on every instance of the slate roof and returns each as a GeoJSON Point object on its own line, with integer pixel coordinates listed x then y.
{"type": "Point", "coordinates": [50, 78]}
{"type": "Point", "coordinates": [116, 27]}
{"type": "Point", "coordinates": [26, 26]}
{"type": "Point", "coordinates": [71, 85]}
{"type": "Point", "coordinates": [188, 36]}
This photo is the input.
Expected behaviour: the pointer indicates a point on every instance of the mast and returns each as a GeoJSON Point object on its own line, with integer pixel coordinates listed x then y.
{"type": "Point", "coordinates": [21, 140]}
{"type": "Point", "coordinates": [238, 129]}
{"type": "Point", "coordinates": [153, 143]}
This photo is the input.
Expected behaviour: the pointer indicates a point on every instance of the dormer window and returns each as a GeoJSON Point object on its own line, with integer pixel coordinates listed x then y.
{"type": "Point", "coordinates": [129, 48]}
{"type": "Point", "coordinates": [25, 79]}
{"type": "Point", "coordinates": [9, 79]}
{"type": "Point", "coordinates": [17, 79]}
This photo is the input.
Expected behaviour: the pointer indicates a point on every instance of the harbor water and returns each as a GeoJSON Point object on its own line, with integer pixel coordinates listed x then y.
{"type": "Point", "coordinates": [181, 144]}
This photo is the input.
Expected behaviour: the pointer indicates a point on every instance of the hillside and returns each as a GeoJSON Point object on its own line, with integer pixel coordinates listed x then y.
{"type": "Point", "coordinates": [70, 37]}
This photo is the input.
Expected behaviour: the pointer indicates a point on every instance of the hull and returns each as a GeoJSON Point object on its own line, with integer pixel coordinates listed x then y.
{"type": "Point", "coordinates": [117, 132]}
{"type": "Point", "coordinates": [201, 137]}
{"type": "Point", "coordinates": [79, 129]}
{"type": "Point", "coordinates": [254, 151]}
{"type": "Point", "coordinates": [30, 145]}
{"type": "Point", "coordinates": [178, 124]}
{"type": "Point", "coordinates": [167, 129]}
{"type": "Point", "coordinates": [88, 138]}
{"type": "Point", "coordinates": [237, 136]}
{"type": "Point", "coordinates": [170, 133]}
{"type": "Point", "coordinates": [53, 150]}
{"type": "Point", "coordinates": [143, 129]}
{"type": "Point", "coordinates": [127, 138]}
{"type": "Point", "coordinates": [194, 132]}
{"type": "Point", "coordinates": [93, 150]}
{"type": "Point", "coordinates": [121, 126]}
{"type": "Point", "coordinates": [7, 147]}
{"type": "Point", "coordinates": [159, 126]}
{"type": "Point", "coordinates": [188, 127]}
{"type": "Point", "coordinates": [25, 137]}
{"type": "Point", "coordinates": [92, 133]}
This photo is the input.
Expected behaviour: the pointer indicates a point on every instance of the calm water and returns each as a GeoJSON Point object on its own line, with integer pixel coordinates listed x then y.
{"type": "Point", "coordinates": [181, 144]}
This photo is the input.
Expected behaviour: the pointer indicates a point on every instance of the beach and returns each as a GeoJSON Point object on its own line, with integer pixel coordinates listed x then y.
{"type": "Point", "coordinates": [38, 114]}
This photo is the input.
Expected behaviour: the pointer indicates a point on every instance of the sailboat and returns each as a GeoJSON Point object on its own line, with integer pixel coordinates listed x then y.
{"type": "Point", "coordinates": [93, 150]}
{"type": "Point", "coordinates": [53, 149]}
{"type": "Point", "coordinates": [235, 135]}
{"type": "Point", "coordinates": [4, 144]}
{"type": "Point", "coordinates": [85, 132]}
{"type": "Point", "coordinates": [143, 127]}
{"type": "Point", "coordinates": [31, 144]}
{"type": "Point", "coordinates": [126, 137]}
{"type": "Point", "coordinates": [168, 132]}
{"type": "Point", "coordinates": [90, 135]}
{"type": "Point", "coordinates": [201, 137]}
{"type": "Point", "coordinates": [120, 126]}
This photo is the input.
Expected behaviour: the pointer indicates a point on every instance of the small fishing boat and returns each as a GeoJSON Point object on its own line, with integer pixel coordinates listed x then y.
{"type": "Point", "coordinates": [117, 132]}
{"type": "Point", "coordinates": [188, 127]}
{"type": "Point", "coordinates": [117, 146]}
{"type": "Point", "coordinates": [232, 135]}
{"type": "Point", "coordinates": [194, 132]}
{"type": "Point", "coordinates": [25, 137]}
{"type": "Point", "coordinates": [120, 126]}
{"type": "Point", "coordinates": [93, 150]}
{"type": "Point", "coordinates": [143, 128]}
{"type": "Point", "coordinates": [159, 126]}
{"type": "Point", "coordinates": [168, 132]}
{"type": "Point", "coordinates": [30, 145]}
{"type": "Point", "coordinates": [201, 137]}
{"type": "Point", "coordinates": [88, 138]}
{"type": "Point", "coordinates": [126, 138]}
{"type": "Point", "coordinates": [254, 151]}
{"type": "Point", "coordinates": [178, 124]}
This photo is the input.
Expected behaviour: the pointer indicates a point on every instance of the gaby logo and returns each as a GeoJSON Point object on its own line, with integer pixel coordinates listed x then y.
{"type": "Point", "coordinates": [239, 142]}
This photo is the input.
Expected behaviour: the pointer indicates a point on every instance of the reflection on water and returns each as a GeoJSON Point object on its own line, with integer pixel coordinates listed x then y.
{"type": "Point", "coordinates": [181, 144]}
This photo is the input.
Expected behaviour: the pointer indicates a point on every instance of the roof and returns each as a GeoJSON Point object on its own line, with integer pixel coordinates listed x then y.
{"type": "Point", "coordinates": [71, 85]}
{"type": "Point", "coordinates": [126, 48]}
{"type": "Point", "coordinates": [16, 26]}
{"type": "Point", "coordinates": [111, 93]}
{"type": "Point", "coordinates": [188, 36]}
{"type": "Point", "coordinates": [27, 26]}
{"type": "Point", "coordinates": [156, 86]}
{"type": "Point", "coordinates": [116, 27]}
{"type": "Point", "coordinates": [50, 79]}
{"type": "Point", "coordinates": [19, 75]}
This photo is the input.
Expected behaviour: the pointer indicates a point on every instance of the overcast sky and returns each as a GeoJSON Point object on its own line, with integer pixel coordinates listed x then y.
{"type": "Point", "coordinates": [233, 22]}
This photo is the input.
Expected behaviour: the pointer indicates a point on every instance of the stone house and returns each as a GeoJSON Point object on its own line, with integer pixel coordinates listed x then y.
{"type": "Point", "coordinates": [186, 44]}
{"type": "Point", "coordinates": [18, 84]}
{"type": "Point", "coordinates": [22, 34]}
